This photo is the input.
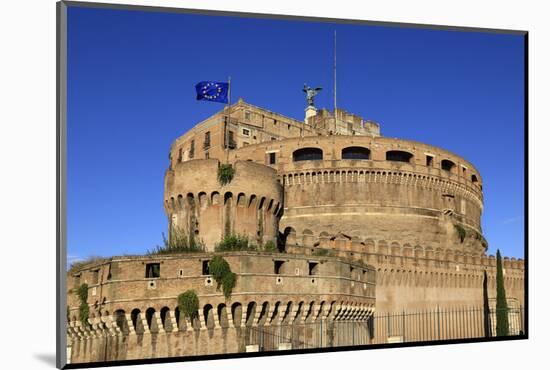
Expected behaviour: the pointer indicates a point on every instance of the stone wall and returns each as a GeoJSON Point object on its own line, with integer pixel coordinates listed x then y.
{"type": "Point", "coordinates": [133, 316]}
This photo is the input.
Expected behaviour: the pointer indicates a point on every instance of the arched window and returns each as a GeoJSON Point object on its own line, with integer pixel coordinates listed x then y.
{"type": "Point", "coordinates": [398, 156]}
{"type": "Point", "coordinates": [355, 152]}
{"type": "Point", "coordinates": [307, 154]}
{"type": "Point", "coordinates": [474, 179]}
{"type": "Point", "coordinates": [447, 165]}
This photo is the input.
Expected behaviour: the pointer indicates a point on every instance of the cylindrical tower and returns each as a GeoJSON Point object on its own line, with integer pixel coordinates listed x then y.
{"type": "Point", "coordinates": [196, 203]}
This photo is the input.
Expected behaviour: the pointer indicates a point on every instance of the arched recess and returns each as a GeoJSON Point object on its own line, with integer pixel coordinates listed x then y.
{"type": "Point", "coordinates": [399, 156]}
{"type": "Point", "coordinates": [355, 152]}
{"type": "Point", "coordinates": [222, 315]}
{"type": "Point", "coordinates": [237, 313]}
{"type": "Point", "coordinates": [149, 317]}
{"type": "Point", "coordinates": [164, 315]}
{"type": "Point", "coordinates": [208, 313]}
{"type": "Point", "coordinates": [307, 154]}
{"type": "Point", "coordinates": [120, 320]}
{"type": "Point", "coordinates": [135, 316]}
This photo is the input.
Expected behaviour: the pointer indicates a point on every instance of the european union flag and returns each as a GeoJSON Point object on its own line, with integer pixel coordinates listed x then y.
{"type": "Point", "coordinates": [212, 91]}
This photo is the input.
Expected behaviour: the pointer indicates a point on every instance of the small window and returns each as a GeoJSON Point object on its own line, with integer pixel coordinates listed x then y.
{"type": "Point", "coordinates": [206, 155]}
{"type": "Point", "coordinates": [429, 161]}
{"type": "Point", "coordinates": [398, 156]}
{"type": "Point", "coordinates": [288, 126]}
{"type": "Point", "coordinates": [231, 140]}
{"type": "Point", "coordinates": [180, 155]}
{"type": "Point", "coordinates": [313, 267]}
{"type": "Point", "coordinates": [307, 154]}
{"type": "Point", "coordinates": [273, 138]}
{"type": "Point", "coordinates": [278, 265]}
{"type": "Point", "coordinates": [474, 178]}
{"type": "Point", "coordinates": [206, 267]}
{"type": "Point", "coordinates": [447, 165]}
{"type": "Point", "coordinates": [192, 149]}
{"type": "Point", "coordinates": [272, 158]}
{"type": "Point", "coordinates": [355, 152]}
{"type": "Point", "coordinates": [152, 270]}
{"type": "Point", "coordinates": [246, 132]}
{"type": "Point", "coordinates": [274, 122]}
{"type": "Point", "coordinates": [77, 281]}
{"type": "Point", "coordinates": [247, 115]}
{"type": "Point", "coordinates": [95, 276]}
{"type": "Point", "coordinates": [206, 140]}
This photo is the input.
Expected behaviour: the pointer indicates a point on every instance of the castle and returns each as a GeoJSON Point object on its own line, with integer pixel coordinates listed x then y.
{"type": "Point", "coordinates": [364, 224]}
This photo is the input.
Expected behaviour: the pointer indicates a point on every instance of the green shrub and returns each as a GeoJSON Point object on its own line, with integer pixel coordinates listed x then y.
{"type": "Point", "coordinates": [321, 252]}
{"type": "Point", "coordinates": [84, 309]}
{"type": "Point", "coordinates": [178, 242]}
{"type": "Point", "coordinates": [188, 304]}
{"type": "Point", "coordinates": [270, 246]}
{"type": "Point", "coordinates": [228, 283]}
{"type": "Point", "coordinates": [221, 272]}
{"type": "Point", "coordinates": [225, 174]}
{"type": "Point", "coordinates": [218, 268]}
{"type": "Point", "coordinates": [234, 242]}
{"type": "Point", "coordinates": [461, 232]}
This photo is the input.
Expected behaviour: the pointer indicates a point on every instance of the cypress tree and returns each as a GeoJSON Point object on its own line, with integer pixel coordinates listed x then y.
{"type": "Point", "coordinates": [502, 307]}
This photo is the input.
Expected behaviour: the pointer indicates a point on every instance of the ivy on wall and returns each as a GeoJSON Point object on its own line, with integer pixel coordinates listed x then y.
{"type": "Point", "coordinates": [188, 304]}
{"type": "Point", "coordinates": [221, 272]}
{"type": "Point", "coordinates": [225, 174]}
{"type": "Point", "coordinates": [84, 309]}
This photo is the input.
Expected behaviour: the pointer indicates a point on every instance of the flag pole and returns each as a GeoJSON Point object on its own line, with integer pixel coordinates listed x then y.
{"type": "Point", "coordinates": [334, 71]}
{"type": "Point", "coordinates": [228, 119]}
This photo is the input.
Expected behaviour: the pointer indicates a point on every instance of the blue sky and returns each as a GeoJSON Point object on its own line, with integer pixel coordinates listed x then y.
{"type": "Point", "coordinates": [130, 94]}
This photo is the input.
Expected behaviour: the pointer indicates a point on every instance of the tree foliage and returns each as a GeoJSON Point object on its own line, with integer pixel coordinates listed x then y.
{"type": "Point", "coordinates": [501, 306]}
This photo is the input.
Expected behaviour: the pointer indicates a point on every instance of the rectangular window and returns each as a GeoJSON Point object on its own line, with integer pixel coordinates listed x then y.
{"type": "Point", "coordinates": [272, 158]}
{"type": "Point", "coordinates": [231, 140]}
{"type": "Point", "coordinates": [313, 266]}
{"type": "Point", "coordinates": [429, 161]}
{"type": "Point", "coordinates": [95, 276]}
{"type": "Point", "coordinates": [206, 267]}
{"type": "Point", "coordinates": [278, 265]}
{"type": "Point", "coordinates": [180, 155]}
{"type": "Point", "coordinates": [192, 149]}
{"type": "Point", "coordinates": [207, 140]}
{"type": "Point", "coordinates": [246, 132]}
{"type": "Point", "coordinates": [152, 270]}
{"type": "Point", "coordinates": [273, 138]}
{"type": "Point", "coordinates": [77, 281]}
{"type": "Point", "coordinates": [206, 155]}
{"type": "Point", "coordinates": [247, 116]}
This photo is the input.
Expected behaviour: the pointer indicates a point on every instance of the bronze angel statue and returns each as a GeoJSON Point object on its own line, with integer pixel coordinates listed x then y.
{"type": "Point", "coordinates": [310, 93]}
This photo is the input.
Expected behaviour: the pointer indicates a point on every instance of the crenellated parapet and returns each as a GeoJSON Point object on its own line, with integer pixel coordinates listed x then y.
{"type": "Point", "coordinates": [250, 204]}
